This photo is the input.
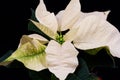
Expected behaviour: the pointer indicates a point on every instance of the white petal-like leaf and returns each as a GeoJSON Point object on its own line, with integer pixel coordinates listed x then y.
{"type": "Point", "coordinates": [61, 59]}
{"type": "Point", "coordinates": [59, 18]}
{"type": "Point", "coordinates": [70, 15]}
{"type": "Point", "coordinates": [71, 35]}
{"type": "Point", "coordinates": [83, 15]}
{"type": "Point", "coordinates": [100, 14]}
{"type": "Point", "coordinates": [95, 32]}
{"type": "Point", "coordinates": [41, 10]}
{"type": "Point", "coordinates": [46, 18]}
{"type": "Point", "coordinates": [31, 54]}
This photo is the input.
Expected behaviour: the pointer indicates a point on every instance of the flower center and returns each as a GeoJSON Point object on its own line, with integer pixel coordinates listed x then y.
{"type": "Point", "coordinates": [60, 39]}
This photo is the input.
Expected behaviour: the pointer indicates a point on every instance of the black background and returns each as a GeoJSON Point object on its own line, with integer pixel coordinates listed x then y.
{"type": "Point", "coordinates": [14, 15]}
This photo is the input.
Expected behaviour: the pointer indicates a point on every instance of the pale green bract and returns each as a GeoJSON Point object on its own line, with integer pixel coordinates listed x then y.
{"type": "Point", "coordinates": [31, 53]}
{"type": "Point", "coordinates": [44, 29]}
{"type": "Point", "coordinates": [85, 31]}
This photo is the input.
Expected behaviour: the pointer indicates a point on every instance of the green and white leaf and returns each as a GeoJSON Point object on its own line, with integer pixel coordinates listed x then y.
{"type": "Point", "coordinates": [45, 29]}
{"type": "Point", "coordinates": [31, 54]}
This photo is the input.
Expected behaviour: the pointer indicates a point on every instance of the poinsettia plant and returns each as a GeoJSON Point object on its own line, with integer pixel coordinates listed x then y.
{"type": "Point", "coordinates": [53, 51]}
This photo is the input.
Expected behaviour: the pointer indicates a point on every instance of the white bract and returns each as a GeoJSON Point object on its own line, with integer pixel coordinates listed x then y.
{"type": "Point", "coordinates": [85, 31]}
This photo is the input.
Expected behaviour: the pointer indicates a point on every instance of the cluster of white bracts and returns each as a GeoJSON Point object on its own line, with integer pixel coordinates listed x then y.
{"type": "Point", "coordinates": [86, 31]}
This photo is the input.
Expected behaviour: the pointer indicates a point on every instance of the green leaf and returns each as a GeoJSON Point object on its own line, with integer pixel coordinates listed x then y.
{"type": "Point", "coordinates": [92, 77]}
{"type": "Point", "coordinates": [33, 15]}
{"type": "Point", "coordinates": [4, 57]}
{"type": "Point", "coordinates": [41, 75]}
{"type": "Point", "coordinates": [102, 58]}
{"type": "Point", "coordinates": [82, 72]}
{"type": "Point", "coordinates": [113, 64]}
{"type": "Point", "coordinates": [53, 77]}
{"type": "Point", "coordinates": [72, 77]}
{"type": "Point", "coordinates": [31, 54]}
{"type": "Point", "coordinates": [94, 51]}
